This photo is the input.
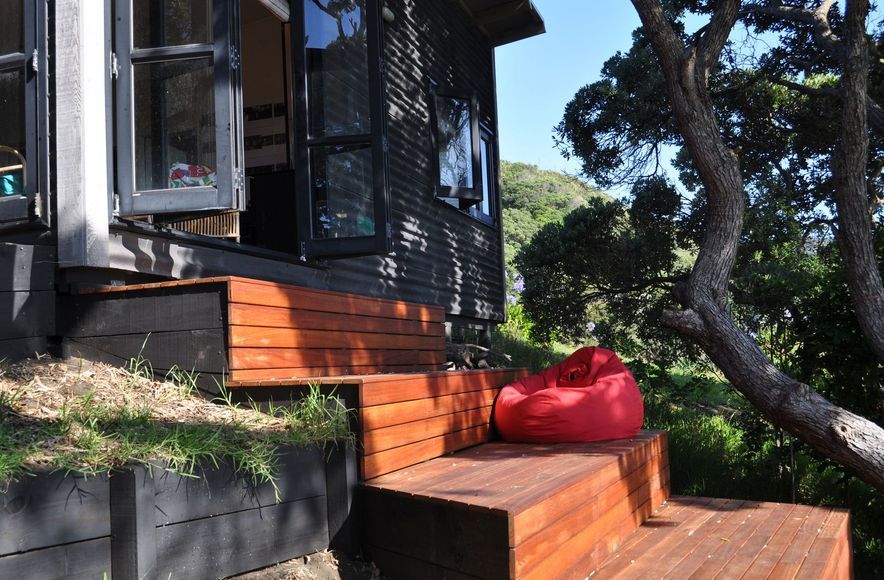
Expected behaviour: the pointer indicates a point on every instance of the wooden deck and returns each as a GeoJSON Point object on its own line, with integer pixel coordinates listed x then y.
{"type": "Point", "coordinates": [408, 418]}
{"type": "Point", "coordinates": [514, 510]}
{"type": "Point", "coordinates": [691, 537]}
{"type": "Point", "coordinates": [254, 330]}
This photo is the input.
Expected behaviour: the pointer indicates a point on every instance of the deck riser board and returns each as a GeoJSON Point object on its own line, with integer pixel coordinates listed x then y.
{"type": "Point", "coordinates": [607, 489]}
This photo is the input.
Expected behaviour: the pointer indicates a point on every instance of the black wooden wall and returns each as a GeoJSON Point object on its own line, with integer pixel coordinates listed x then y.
{"type": "Point", "coordinates": [440, 255]}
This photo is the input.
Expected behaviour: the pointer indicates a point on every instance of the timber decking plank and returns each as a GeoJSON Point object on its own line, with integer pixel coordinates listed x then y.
{"type": "Point", "coordinates": [834, 534]}
{"type": "Point", "coordinates": [380, 463]}
{"type": "Point", "coordinates": [671, 514]}
{"type": "Point", "coordinates": [636, 507]}
{"type": "Point", "coordinates": [729, 524]}
{"type": "Point", "coordinates": [617, 460]}
{"type": "Point", "coordinates": [285, 296]}
{"type": "Point", "coordinates": [380, 416]}
{"type": "Point", "coordinates": [391, 437]}
{"type": "Point", "coordinates": [293, 338]}
{"type": "Point", "coordinates": [683, 546]}
{"type": "Point", "coordinates": [754, 518]}
{"type": "Point", "coordinates": [777, 545]}
{"type": "Point", "coordinates": [382, 390]}
{"type": "Point", "coordinates": [332, 375]}
{"type": "Point", "coordinates": [565, 524]}
{"type": "Point", "coordinates": [787, 566]}
{"type": "Point", "coordinates": [749, 551]}
{"type": "Point", "coordinates": [269, 358]}
{"type": "Point", "coordinates": [272, 316]}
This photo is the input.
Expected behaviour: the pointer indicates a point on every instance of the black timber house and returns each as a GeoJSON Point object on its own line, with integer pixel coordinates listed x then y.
{"type": "Point", "coordinates": [346, 145]}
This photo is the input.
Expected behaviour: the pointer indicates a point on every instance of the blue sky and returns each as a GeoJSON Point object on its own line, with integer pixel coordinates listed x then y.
{"type": "Point", "coordinates": [537, 77]}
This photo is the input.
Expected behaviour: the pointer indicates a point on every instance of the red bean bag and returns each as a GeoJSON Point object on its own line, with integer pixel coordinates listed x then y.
{"type": "Point", "coordinates": [589, 396]}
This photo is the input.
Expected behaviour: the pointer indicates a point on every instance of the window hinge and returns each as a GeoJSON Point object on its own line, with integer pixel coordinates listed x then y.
{"type": "Point", "coordinates": [386, 144]}
{"type": "Point", "coordinates": [116, 202]}
{"type": "Point", "coordinates": [303, 251]}
{"type": "Point", "coordinates": [382, 65]}
{"type": "Point", "coordinates": [234, 57]}
{"type": "Point", "coordinates": [389, 231]}
{"type": "Point", "coordinates": [114, 66]}
{"type": "Point", "coordinates": [35, 60]}
{"type": "Point", "coordinates": [38, 206]}
{"type": "Point", "coordinates": [239, 179]}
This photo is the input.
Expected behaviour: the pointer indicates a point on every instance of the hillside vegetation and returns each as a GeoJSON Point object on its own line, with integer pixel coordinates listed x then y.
{"type": "Point", "coordinates": [533, 197]}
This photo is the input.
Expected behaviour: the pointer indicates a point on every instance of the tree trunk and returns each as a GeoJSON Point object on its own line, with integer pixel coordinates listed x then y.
{"type": "Point", "coordinates": [855, 234]}
{"type": "Point", "coordinates": [847, 438]}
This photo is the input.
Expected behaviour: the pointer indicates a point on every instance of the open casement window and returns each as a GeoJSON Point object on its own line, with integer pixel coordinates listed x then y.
{"type": "Point", "coordinates": [178, 112]}
{"type": "Point", "coordinates": [454, 118]}
{"type": "Point", "coordinates": [343, 205]}
{"type": "Point", "coordinates": [23, 154]}
{"type": "Point", "coordinates": [486, 211]}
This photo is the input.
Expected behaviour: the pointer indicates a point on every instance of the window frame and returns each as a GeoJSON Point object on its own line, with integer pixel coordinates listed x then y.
{"type": "Point", "coordinates": [31, 207]}
{"type": "Point", "coordinates": [492, 193]}
{"type": "Point", "coordinates": [229, 190]}
{"type": "Point", "coordinates": [466, 197]}
{"type": "Point", "coordinates": [382, 240]}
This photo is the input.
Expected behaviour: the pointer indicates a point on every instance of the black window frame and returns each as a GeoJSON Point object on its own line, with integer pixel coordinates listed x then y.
{"type": "Point", "coordinates": [492, 193]}
{"type": "Point", "coordinates": [229, 191]}
{"type": "Point", "coordinates": [382, 241]}
{"type": "Point", "coordinates": [466, 196]}
{"type": "Point", "coordinates": [31, 207]}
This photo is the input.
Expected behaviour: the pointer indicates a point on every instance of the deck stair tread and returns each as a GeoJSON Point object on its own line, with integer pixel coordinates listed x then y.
{"type": "Point", "coordinates": [504, 510]}
{"type": "Point", "coordinates": [694, 537]}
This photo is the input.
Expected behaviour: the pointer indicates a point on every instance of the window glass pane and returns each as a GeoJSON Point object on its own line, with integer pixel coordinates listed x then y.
{"type": "Point", "coordinates": [174, 124]}
{"type": "Point", "coordinates": [12, 24]}
{"type": "Point", "coordinates": [171, 22]}
{"type": "Point", "coordinates": [454, 120]}
{"type": "Point", "coordinates": [343, 191]}
{"type": "Point", "coordinates": [12, 132]}
{"type": "Point", "coordinates": [487, 176]}
{"type": "Point", "coordinates": [337, 67]}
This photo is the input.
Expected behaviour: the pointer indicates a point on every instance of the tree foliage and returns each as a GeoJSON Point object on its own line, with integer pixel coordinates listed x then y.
{"type": "Point", "coordinates": [762, 253]}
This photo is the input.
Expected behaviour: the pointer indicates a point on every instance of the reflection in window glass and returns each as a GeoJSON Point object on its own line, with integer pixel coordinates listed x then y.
{"type": "Point", "coordinates": [343, 191]}
{"type": "Point", "coordinates": [12, 132]}
{"type": "Point", "coordinates": [454, 127]}
{"type": "Point", "coordinates": [487, 176]}
{"type": "Point", "coordinates": [12, 24]}
{"type": "Point", "coordinates": [174, 125]}
{"type": "Point", "coordinates": [171, 22]}
{"type": "Point", "coordinates": [337, 67]}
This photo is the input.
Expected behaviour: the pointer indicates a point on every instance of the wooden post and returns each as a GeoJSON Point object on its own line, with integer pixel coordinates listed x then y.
{"type": "Point", "coordinates": [133, 525]}
{"type": "Point", "coordinates": [340, 482]}
{"type": "Point", "coordinates": [82, 109]}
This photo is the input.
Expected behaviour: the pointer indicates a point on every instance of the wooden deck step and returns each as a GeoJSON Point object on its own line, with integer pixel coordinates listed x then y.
{"type": "Point", "coordinates": [240, 329]}
{"type": "Point", "coordinates": [408, 418]}
{"type": "Point", "coordinates": [693, 537]}
{"type": "Point", "coordinates": [504, 510]}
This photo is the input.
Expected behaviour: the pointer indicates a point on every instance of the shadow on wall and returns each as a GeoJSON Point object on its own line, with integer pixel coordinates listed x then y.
{"type": "Point", "coordinates": [27, 299]}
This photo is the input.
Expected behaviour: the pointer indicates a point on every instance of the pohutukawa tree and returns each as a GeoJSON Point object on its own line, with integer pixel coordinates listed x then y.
{"type": "Point", "coordinates": [794, 118]}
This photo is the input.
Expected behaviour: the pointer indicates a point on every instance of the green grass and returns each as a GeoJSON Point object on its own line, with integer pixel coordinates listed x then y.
{"type": "Point", "coordinates": [89, 436]}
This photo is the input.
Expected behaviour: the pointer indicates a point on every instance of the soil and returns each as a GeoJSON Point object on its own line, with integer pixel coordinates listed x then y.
{"type": "Point", "coordinates": [326, 565]}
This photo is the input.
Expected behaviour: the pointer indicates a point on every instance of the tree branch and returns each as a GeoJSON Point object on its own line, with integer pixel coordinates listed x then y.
{"type": "Point", "coordinates": [715, 35]}
{"type": "Point", "coordinates": [849, 165]}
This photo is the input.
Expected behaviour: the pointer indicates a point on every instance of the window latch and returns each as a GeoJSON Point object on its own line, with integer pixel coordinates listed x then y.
{"type": "Point", "coordinates": [114, 66]}
{"type": "Point", "coordinates": [35, 60]}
